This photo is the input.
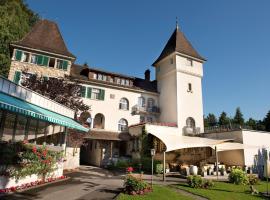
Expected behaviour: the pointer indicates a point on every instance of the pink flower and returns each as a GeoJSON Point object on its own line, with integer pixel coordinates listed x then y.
{"type": "Point", "coordinates": [130, 169]}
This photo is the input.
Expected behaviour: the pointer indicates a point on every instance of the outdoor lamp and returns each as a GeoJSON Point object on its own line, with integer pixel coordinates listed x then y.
{"type": "Point", "coordinates": [153, 152]}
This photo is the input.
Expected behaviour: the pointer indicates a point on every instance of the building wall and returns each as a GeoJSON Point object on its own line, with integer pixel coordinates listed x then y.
{"type": "Point", "coordinates": [109, 107]}
{"type": "Point", "coordinates": [189, 103]}
{"type": "Point", "coordinates": [166, 82]}
{"type": "Point", "coordinates": [233, 157]}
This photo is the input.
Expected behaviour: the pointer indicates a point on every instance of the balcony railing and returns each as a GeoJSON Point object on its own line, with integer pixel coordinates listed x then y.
{"type": "Point", "coordinates": [137, 109]}
{"type": "Point", "coordinates": [8, 87]}
{"type": "Point", "coordinates": [191, 130]}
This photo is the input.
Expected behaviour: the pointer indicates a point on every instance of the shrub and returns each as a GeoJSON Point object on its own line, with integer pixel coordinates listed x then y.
{"type": "Point", "coordinates": [208, 184]}
{"type": "Point", "coordinates": [147, 164]}
{"type": "Point", "coordinates": [238, 176]}
{"type": "Point", "coordinates": [252, 179]}
{"type": "Point", "coordinates": [122, 164]}
{"type": "Point", "coordinates": [159, 168]}
{"type": "Point", "coordinates": [134, 185]}
{"type": "Point", "coordinates": [195, 181]}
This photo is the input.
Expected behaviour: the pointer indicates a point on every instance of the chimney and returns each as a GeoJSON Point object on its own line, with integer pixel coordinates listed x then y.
{"type": "Point", "coordinates": [147, 75]}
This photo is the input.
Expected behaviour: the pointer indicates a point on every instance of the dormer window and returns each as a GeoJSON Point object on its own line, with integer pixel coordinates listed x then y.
{"type": "Point", "coordinates": [189, 62]}
{"type": "Point", "coordinates": [25, 57]}
{"type": "Point", "coordinates": [62, 64]}
{"type": "Point", "coordinates": [33, 59]}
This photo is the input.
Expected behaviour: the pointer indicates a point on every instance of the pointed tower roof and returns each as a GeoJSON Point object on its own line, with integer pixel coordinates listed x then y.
{"type": "Point", "coordinates": [178, 43]}
{"type": "Point", "coordinates": [45, 35]}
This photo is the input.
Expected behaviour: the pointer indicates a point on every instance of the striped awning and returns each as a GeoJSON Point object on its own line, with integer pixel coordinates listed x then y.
{"type": "Point", "coordinates": [19, 106]}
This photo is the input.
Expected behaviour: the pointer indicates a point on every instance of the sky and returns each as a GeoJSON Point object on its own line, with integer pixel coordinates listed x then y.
{"type": "Point", "coordinates": [127, 36]}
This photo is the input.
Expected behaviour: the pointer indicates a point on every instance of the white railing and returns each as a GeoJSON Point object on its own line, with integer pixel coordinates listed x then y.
{"type": "Point", "coordinates": [8, 87]}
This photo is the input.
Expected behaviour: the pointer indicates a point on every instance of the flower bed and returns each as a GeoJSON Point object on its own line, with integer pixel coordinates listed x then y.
{"type": "Point", "coordinates": [23, 186]}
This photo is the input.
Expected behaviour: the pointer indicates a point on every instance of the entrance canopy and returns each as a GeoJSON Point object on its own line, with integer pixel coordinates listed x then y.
{"type": "Point", "coordinates": [173, 140]}
{"type": "Point", "coordinates": [16, 105]}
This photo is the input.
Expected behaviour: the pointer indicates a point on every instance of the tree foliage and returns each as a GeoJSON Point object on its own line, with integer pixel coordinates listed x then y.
{"type": "Point", "coordinates": [238, 117]}
{"type": "Point", "coordinates": [16, 19]}
{"type": "Point", "coordinates": [266, 121]}
{"type": "Point", "coordinates": [223, 119]}
{"type": "Point", "coordinates": [210, 120]}
{"type": "Point", "coordinates": [62, 91]}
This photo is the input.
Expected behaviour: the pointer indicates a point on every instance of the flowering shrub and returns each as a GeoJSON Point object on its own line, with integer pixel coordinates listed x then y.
{"type": "Point", "coordinates": [23, 159]}
{"type": "Point", "coordinates": [130, 170]}
{"type": "Point", "coordinates": [31, 184]}
{"type": "Point", "coordinates": [252, 179]}
{"type": "Point", "coordinates": [196, 181]}
{"type": "Point", "coordinates": [134, 185]}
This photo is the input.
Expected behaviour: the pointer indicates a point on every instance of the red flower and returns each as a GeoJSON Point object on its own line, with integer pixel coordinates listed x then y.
{"type": "Point", "coordinates": [130, 169]}
{"type": "Point", "coordinates": [34, 149]}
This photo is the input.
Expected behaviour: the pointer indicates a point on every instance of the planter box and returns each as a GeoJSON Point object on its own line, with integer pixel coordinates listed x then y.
{"type": "Point", "coordinates": [7, 182]}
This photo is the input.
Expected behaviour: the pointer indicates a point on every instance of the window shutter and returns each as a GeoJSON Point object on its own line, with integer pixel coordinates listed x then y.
{"type": "Point", "coordinates": [65, 65]}
{"type": "Point", "coordinates": [17, 77]}
{"type": "Point", "coordinates": [39, 59]}
{"type": "Point", "coordinates": [102, 94]}
{"type": "Point", "coordinates": [83, 91]}
{"type": "Point", "coordinates": [18, 55]}
{"type": "Point", "coordinates": [45, 60]}
{"type": "Point", "coordinates": [89, 92]}
{"type": "Point", "coordinates": [45, 78]}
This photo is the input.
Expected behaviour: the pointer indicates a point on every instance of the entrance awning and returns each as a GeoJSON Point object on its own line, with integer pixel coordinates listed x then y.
{"type": "Point", "coordinates": [13, 104]}
{"type": "Point", "coordinates": [173, 139]}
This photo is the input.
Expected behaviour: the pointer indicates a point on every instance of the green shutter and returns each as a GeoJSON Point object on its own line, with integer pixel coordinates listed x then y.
{"type": "Point", "coordinates": [65, 65]}
{"type": "Point", "coordinates": [18, 55]}
{"type": "Point", "coordinates": [39, 59]}
{"type": "Point", "coordinates": [17, 77]}
{"type": "Point", "coordinates": [89, 92]}
{"type": "Point", "coordinates": [83, 91]}
{"type": "Point", "coordinates": [45, 61]}
{"type": "Point", "coordinates": [101, 94]}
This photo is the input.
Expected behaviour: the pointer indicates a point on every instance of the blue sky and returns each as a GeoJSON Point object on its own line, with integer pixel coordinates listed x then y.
{"type": "Point", "coordinates": [126, 36]}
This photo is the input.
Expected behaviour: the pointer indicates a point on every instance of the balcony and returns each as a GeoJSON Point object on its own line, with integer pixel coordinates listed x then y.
{"type": "Point", "coordinates": [191, 130]}
{"type": "Point", "coordinates": [137, 109]}
{"type": "Point", "coordinates": [18, 91]}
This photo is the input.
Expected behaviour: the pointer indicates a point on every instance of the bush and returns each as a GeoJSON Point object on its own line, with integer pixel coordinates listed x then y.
{"type": "Point", "coordinates": [238, 176]}
{"type": "Point", "coordinates": [208, 184]}
{"type": "Point", "coordinates": [195, 181]}
{"type": "Point", "coordinates": [134, 185]}
{"type": "Point", "coordinates": [122, 164]}
{"type": "Point", "coordinates": [252, 179]}
{"type": "Point", "coordinates": [159, 168]}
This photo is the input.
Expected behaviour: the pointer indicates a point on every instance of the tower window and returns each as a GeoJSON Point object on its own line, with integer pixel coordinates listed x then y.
{"type": "Point", "coordinates": [189, 62]}
{"type": "Point", "coordinates": [189, 87]}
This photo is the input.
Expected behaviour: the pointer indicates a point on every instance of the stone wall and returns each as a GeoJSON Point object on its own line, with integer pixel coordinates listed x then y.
{"type": "Point", "coordinates": [35, 69]}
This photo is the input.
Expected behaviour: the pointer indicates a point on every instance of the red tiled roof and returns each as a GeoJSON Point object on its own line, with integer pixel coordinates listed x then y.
{"type": "Point", "coordinates": [46, 36]}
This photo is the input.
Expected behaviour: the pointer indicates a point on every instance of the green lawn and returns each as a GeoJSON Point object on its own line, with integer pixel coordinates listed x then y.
{"type": "Point", "coordinates": [159, 193]}
{"type": "Point", "coordinates": [225, 191]}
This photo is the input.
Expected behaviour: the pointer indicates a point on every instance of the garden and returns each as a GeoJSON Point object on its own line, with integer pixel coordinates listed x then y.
{"type": "Point", "coordinates": [23, 165]}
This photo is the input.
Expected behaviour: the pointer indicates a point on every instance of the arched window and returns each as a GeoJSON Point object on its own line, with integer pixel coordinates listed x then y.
{"type": "Point", "coordinates": [85, 118]}
{"type": "Point", "coordinates": [99, 121]}
{"type": "Point", "coordinates": [141, 101]}
{"type": "Point", "coordinates": [190, 122]}
{"type": "Point", "coordinates": [150, 102]}
{"type": "Point", "coordinates": [122, 125]}
{"type": "Point", "coordinates": [123, 105]}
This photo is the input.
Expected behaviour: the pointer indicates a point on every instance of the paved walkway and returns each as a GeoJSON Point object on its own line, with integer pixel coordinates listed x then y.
{"type": "Point", "coordinates": [89, 183]}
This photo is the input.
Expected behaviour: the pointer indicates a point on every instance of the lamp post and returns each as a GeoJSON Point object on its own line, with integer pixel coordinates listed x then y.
{"type": "Point", "coordinates": [153, 152]}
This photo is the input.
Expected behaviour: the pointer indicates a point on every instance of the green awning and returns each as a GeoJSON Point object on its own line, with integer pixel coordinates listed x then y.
{"type": "Point", "coordinates": [16, 105]}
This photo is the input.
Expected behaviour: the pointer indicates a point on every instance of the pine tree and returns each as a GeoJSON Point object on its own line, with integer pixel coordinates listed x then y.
{"type": "Point", "coordinates": [238, 117]}
{"type": "Point", "coordinates": [266, 121]}
{"type": "Point", "coordinates": [251, 123]}
{"type": "Point", "coordinates": [223, 119]}
{"type": "Point", "coordinates": [210, 120]}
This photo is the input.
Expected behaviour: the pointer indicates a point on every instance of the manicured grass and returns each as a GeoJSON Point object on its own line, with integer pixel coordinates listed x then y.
{"type": "Point", "coordinates": [159, 193]}
{"type": "Point", "coordinates": [225, 191]}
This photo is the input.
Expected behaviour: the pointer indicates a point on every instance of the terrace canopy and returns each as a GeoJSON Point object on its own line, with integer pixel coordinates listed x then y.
{"type": "Point", "coordinates": [19, 106]}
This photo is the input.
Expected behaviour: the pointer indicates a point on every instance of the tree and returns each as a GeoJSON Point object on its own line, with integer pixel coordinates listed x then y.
{"type": "Point", "coordinates": [238, 117]}
{"type": "Point", "coordinates": [16, 19]}
{"type": "Point", "coordinates": [252, 123]}
{"type": "Point", "coordinates": [223, 119]}
{"type": "Point", "coordinates": [266, 121]}
{"type": "Point", "coordinates": [210, 120]}
{"type": "Point", "coordinates": [60, 90]}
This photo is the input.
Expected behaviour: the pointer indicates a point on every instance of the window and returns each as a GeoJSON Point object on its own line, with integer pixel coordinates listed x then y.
{"type": "Point", "coordinates": [127, 82]}
{"type": "Point", "coordinates": [92, 93]}
{"type": "Point", "coordinates": [142, 118]}
{"type": "Point", "coordinates": [104, 78]}
{"type": "Point", "coordinates": [122, 81]}
{"type": "Point", "coordinates": [94, 76]}
{"type": "Point", "coordinates": [17, 77]}
{"type": "Point", "coordinates": [52, 62]}
{"type": "Point", "coordinates": [123, 105]}
{"type": "Point", "coordinates": [150, 103]}
{"type": "Point", "coordinates": [33, 59]}
{"type": "Point", "coordinates": [62, 64]}
{"type": "Point", "coordinates": [171, 61]}
{"type": "Point", "coordinates": [141, 101]}
{"type": "Point", "coordinates": [25, 57]}
{"type": "Point", "coordinates": [117, 80]}
{"type": "Point", "coordinates": [189, 87]}
{"type": "Point", "coordinates": [149, 119]}
{"type": "Point", "coordinates": [189, 62]}
{"type": "Point", "coordinates": [18, 55]}
{"type": "Point", "coordinates": [25, 76]}
{"type": "Point", "coordinates": [99, 77]}
{"type": "Point", "coordinates": [95, 93]}
{"type": "Point", "coordinates": [122, 125]}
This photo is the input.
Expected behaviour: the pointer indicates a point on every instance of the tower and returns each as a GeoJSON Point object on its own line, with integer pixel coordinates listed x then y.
{"type": "Point", "coordinates": [179, 72]}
